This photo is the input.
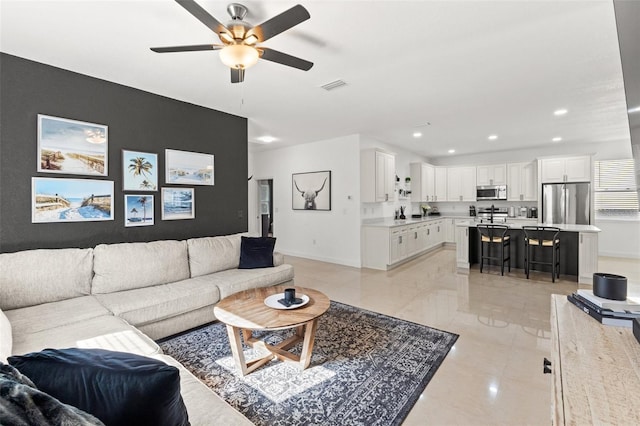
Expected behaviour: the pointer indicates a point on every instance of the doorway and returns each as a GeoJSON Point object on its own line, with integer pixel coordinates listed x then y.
{"type": "Point", "coordinates": [265, 207]}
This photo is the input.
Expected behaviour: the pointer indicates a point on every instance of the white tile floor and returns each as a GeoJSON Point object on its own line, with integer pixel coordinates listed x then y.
{"type": "Point", "coordinates": [493, 374]}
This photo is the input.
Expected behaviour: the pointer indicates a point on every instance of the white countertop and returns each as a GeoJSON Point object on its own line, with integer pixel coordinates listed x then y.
{"type": "Point", "coordinates": [514, 225]}
{"type": "Point", "coordinates": [391, 223]}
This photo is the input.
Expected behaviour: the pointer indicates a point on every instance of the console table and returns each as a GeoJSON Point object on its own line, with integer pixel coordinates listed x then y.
{"type": "Point", "coordinates": [595, 369]}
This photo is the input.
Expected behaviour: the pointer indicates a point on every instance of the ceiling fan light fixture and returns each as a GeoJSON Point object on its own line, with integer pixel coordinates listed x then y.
{"type": "Point", "coordinates": [251, 40]}
{"type": "Point", "coordinates": [226, 38]}
{"type": "Point", "coordinates": [239, 56]}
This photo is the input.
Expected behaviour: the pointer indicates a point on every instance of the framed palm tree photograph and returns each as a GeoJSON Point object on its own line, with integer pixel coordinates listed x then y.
{"type": "Point", "coordinates": [139, 170]}
{"type": "Point", "coordinates": [138, 210]}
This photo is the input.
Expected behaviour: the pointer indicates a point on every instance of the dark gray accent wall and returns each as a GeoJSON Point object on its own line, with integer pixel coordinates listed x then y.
{"type": "Point", "coordinates": [137, 120]}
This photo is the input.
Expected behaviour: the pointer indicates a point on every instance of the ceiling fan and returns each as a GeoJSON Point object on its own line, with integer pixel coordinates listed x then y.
{"type": "Point", "coordinates": [239, 49]}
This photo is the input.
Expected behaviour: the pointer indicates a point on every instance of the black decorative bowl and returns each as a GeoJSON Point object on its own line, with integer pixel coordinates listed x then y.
{"type": "Point", "coordinates": [610, 286]}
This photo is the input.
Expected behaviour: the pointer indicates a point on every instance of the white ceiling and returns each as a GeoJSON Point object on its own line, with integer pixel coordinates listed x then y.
{"type": "Point", "coordinates": [469, 68]}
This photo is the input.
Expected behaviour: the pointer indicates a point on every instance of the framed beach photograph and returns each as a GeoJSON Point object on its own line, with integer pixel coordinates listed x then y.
{"type": "Point", "coordinates": [178, 203]}
{"type": "Point", "coordinates": [71, 146]}
{"type": "Point", "coordinates": [311, 191]}
{"type": "Point", "coordinates": [188, 168]}
{"type": "Point", "coordinates": [139, 171]}
{"type": "Point", "coordinates": [138, 210]}
{"type": "Point", "coordinates": [71, 200]}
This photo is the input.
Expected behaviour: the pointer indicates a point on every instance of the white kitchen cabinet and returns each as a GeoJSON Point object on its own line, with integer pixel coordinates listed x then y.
{"type": "Point", "coordinates": [398, 243]}
{"type": "Point", "coordinates": [440, 184]}
{"type": "Point", "coordinates": [377, 176]}
{"type": "Point", "coordinates": [437, 232]}
{"type": "Point", "coordinates": [495, 174]}
{"type": "Point", "coordinates": [450, 228]}
{"type": "Point", "coordinates": [422, 182]}
{"type": "Point", "coordinates": [462, 247]}
{"type": "Point", "coordinates": [386, 247]}
{"type": "Point", "coordinates": [461, 184]}
{"type": "Point", "coordinates": [413, 240]}
{"type": "Point", "coordinates": [522, 181]}
{"type": "Point", "coordinates": [565, 169]}
{"type": "Point", "coordinates": [587, 256]}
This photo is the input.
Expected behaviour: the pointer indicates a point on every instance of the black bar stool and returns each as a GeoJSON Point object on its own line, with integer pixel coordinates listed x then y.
{"type": "Point", "coordinates": [545, 238]}
{"type": "Point", "coordinates": [492, 235]}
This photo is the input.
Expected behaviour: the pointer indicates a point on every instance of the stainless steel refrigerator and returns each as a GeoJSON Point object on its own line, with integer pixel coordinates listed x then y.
{"type": "Point", "coordinates": [567, 203]}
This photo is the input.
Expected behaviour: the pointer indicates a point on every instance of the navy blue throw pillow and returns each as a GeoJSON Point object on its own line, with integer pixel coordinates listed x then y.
{"type": "Point", "coordinates": [256, 252]}
{"type": "Point", "coordinates": [118, 388]}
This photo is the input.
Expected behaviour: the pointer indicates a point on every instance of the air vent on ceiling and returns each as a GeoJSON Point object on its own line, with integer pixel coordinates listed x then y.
{"type": "Point", "coordinates": [334, 85]}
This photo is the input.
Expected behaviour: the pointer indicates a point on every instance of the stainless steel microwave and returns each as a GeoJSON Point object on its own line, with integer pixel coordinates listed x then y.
{"type": "Point", "coordinates": [491, 192]}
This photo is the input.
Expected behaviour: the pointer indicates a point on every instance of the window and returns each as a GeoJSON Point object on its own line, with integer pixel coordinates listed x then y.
{"type": "Point", "coordinates": [615, 188]}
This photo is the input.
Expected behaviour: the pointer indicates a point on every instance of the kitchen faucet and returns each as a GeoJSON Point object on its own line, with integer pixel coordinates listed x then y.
{"type": "Point", "coordinates": [491, 217]}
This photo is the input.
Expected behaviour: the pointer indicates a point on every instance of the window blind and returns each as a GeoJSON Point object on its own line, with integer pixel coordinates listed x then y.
{"type": "Point", "coordinates": [615, 186]}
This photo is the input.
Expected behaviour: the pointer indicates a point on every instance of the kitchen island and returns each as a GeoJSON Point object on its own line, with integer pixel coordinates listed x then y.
{"type": "Point", "coordinates": [578, 249]}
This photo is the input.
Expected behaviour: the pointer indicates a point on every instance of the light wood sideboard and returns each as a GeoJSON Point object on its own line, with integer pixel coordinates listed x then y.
{"type": "Point", "coordinates": [595, 369]}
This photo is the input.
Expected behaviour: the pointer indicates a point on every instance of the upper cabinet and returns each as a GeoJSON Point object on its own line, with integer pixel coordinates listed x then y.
{"type": "Point", "coordinates": [440, 184]}
{"type": "Point", "coordinates": [377, 176]}
{"type": "Point", "coordinates": [491, 175]}
{"type": "Point", "coordinates": [461, 184]}
{"type": "Point", "coordinates": [422, 182]}
{"type": "Point", "coordinates": [566, 169]}
{"type": "Point", "coordinates": [522, 181]}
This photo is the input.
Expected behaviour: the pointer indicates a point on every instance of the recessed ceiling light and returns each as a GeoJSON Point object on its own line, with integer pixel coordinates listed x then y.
{"type": "Point", "coordinates": [632, 110]}
{"type": "Point", "coordinates": [493, 137]}
{"type": "Point", "coordinates": [417, 134]}
{"type": "Point", "coordinates": [557, 139]}
{"type": "Point", "coordinates": [451, 151]}
{"type": "Point", "coordinates": [266, 139]}
{"type": "Point", "coordinates": [561, 111]}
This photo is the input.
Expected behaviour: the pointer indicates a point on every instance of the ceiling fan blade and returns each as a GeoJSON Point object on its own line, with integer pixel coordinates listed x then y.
{"type": "Point", "coordinates": [192, 48]}
{"type": "Point", "coordinates": [279, 23]}
{"type": "Point", "coordinates": [285, 59]}
{"type": "Point", "coordinates": [203, 16]}
{"type": "Point", "coordinates": [237, 75]}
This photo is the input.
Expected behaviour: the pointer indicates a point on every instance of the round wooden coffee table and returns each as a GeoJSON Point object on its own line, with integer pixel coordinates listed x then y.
{"type": "Point", "coordinates": [246, 311]}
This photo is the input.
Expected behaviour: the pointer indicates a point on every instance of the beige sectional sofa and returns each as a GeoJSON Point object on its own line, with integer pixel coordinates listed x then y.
{"type": "Point", "coordinates": [123, 297]}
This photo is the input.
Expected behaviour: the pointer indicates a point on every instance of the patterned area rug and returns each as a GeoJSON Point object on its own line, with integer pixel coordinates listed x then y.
{"type": "Point", "coordinates": [367, 369]}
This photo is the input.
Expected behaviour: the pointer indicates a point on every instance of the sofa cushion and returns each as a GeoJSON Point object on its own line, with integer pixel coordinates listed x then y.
{"type": "Point", "coordinates": [6, 339]}
{"type": "Point", "coordinates": [212, 254]}
{"type": "Point", "coordinates": [52, 315]}
{"type": "Point", "coordinates": [150, 304]}
{"type": "Point", "coordinates": [118, 388]}
{"type": "Point", "coordinates": [33, 277]}
{"type": "Point", "coordinates": [235, 280]}
{"type": "Point", "coordinates": [127, 266]}
{"type": "Point", "coordinates": [203, 405]}
{"type": "Point", "coordinates": [104, 332]}
{"type": "Point", "coordinates": [256, 252]}
{"type": "Point", "coordinates": [23, 404]}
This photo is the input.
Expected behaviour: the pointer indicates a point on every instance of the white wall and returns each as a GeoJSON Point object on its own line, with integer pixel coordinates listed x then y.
{"type": "Point", "coordinates": [619, 238]}
{"type": "Point", "coordinates": [331, 236]}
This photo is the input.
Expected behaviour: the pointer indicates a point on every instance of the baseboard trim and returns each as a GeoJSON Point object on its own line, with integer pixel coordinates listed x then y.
{"type": "Point", "coordinates": [352, 263]}
{"type": "Point", "coordinates": [624, 255]}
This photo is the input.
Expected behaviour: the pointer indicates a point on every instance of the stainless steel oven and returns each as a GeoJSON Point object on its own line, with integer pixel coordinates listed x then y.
{"type": "Point", "coordinates": [491, 192]}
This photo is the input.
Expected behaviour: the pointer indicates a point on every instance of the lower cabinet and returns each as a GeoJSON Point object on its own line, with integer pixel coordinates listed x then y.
{"type": "Point", "coordinates": [587, 256]}
{"type": "Point", "coordinates": [385, 247]}
{"type": "Point", "coordinates": [462, 247]}
{"type": "Point", "coordinates": [398, 244]}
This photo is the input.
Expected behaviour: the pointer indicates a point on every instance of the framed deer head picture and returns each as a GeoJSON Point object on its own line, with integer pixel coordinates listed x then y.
{"type": "Point", "coordinates": [311, 191]}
